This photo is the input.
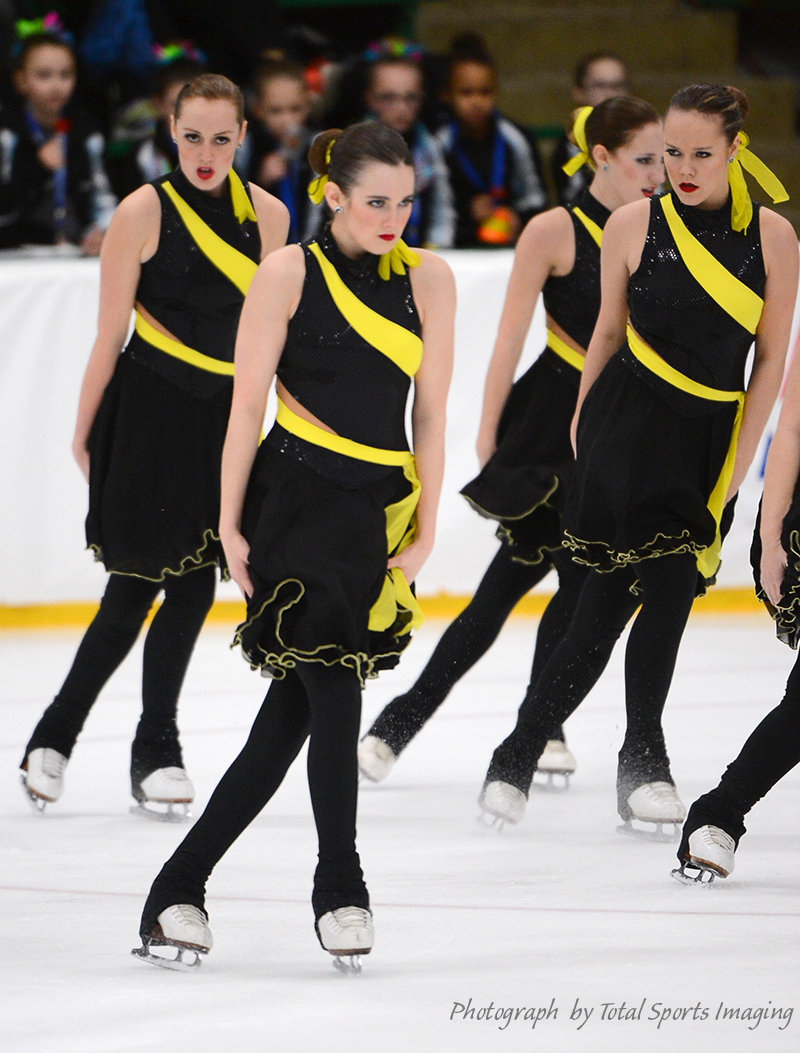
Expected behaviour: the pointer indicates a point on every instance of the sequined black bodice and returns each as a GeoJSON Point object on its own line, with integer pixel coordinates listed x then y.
{"type": "Point", "coordinates": [673, 312]}
{"type": "Point", "coordinates": [186, 292]}
{"type": "Point", "coordinates": [573, 300]}
{"type": "Point", "coordinates": [335, 373]}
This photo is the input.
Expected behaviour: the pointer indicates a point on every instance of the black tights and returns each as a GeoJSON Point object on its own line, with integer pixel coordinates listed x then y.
{"type": "Point", "coordinates": [771, 751]}
{"type": "Point", "coordinates": [316, 702]}
{"type": "Point", "coordinates": [168, 647]}
{"type": "Point", "coordinates": [605, 606]}
{"type": "Point", "coordinates": [471, 635]}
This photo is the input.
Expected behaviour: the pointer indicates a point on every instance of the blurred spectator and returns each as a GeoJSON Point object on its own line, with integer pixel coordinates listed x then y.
{"type": "Point", "coordinates": [142, 148]}
{"type": "Point", "coordinates": [394, 95]}
{"type": "Point", "coordinates": [274, 152]}
{"type": "Point", "coordinates": [53, 186]}
{"type": "Point", "coordinates": [599, 75]}
{"type": "Point", "coordinates": [494, 164]}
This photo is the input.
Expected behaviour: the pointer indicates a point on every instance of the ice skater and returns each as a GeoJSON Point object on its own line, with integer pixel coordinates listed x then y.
{"type": "Point", "coordinates": [665, 435]}
{"type": "Point", "coordinates": [180, 252]}
{"type": "Point", "coordinates": [715, 823]}
{"type": "Point", "coordinates": [523, 444]}
{"type": "Point", "coordinates": [326, 524]}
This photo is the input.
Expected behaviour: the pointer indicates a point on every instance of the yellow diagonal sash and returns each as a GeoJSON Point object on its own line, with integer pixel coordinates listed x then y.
{"type": "Point", "coordinates": [403, 347]}
{"type": "Point", "coordinates": [236, 267]}
{"type": "Point", "coordinates": [175, 348]}
{"type": "Point", "coordinates": [594, 229]}
{"type": "Point", "coordinates": [563, 350]}
{"type": "Point", "coordinates": [707, 560]}
{"type": "Point", "coordinates": [732, 295]}
{"type": "Point", "coordinates": [304, 429]}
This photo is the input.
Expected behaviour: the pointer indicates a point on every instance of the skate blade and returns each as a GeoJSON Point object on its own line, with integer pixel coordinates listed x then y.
{"type": "Point", "coordinates": [179, 963]}
{"type": "Point", "coordinates": [168, 812]}
{"type": "Point", "coordinates": [348, 964]}
{"type": "Point", "coordinates": [492, 822]}
{"type": "Point", "coordinates": [705, 878]}
{"type": "Point", "coordinates": [659, 834]}
{"type": "Point", "coordinates": [548, 783]}
{"type": "Point", "coordinates": [36, 802]}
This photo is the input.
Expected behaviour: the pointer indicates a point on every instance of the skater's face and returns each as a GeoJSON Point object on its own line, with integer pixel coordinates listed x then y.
{"type": "Point", "coordinates": [696, 155]}
{"type": "Point", "coordinates": [207, 133]}
{"type": "Point", "coordinates": [374, 213]}
{"type": "Point", "coordinates": [395, 95]}
{"type": "Point", "coordinates": [635, 169]}
{"type": "Point", "coordinates": [47, 79]}
{"type": "Point", "coordinates": [471, 95]}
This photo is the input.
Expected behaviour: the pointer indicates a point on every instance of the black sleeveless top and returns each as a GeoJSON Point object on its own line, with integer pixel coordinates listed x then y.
{"type": "Point", "coordinates": [187, 294]}
{"type": "Point", "coordinates": [573, 300]}
{"type": "Point", "coordinates": [673, 312]}
{"type": "Point", "coordinates": [333, 371]}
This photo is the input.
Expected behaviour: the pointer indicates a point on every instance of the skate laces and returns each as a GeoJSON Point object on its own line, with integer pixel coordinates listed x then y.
{"type": "Point", "coordinates": [348, 917]}
{"type": "Point", "coordinates": [714, 835]}
{"type": "Point", "coordinates": [660, 791]}
{"type": "Point", "coordinates": [186, 915]}
{"type": "Point", "coordinates": [53, 763]}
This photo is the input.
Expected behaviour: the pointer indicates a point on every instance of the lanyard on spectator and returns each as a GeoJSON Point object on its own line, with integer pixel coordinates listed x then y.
{"type": "Point", "coordinates": [40, 137]}
{"type": "Point", "coordinates": [497, 176]}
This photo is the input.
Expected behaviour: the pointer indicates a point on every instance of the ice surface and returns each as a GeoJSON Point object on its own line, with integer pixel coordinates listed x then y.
{"type": "Point", "coordinates": [557, 910]}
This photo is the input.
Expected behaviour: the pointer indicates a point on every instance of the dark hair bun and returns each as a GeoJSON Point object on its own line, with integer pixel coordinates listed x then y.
{"type": "Point", "coordinates": [318, 151]}
{"type": "Point", "coordinates": [741, 98]}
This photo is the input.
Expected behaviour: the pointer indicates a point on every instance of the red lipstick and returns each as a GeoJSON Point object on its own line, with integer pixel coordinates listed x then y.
{"type": "Point", "coordinates": [205, 173]}
{"type": "Point", "coordinates": [688, 188]}
{"type": "Point", "coordinates": [386, 237]}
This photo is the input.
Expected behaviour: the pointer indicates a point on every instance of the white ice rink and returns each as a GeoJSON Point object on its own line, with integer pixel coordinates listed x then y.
{"type": "Point", "coordinates": [557, 912]}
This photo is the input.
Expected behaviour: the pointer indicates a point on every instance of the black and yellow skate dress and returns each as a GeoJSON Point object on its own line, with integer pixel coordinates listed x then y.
{"type": "Point", "coordinates": [658, 429]}
{"type": "Point", "coordinates": [156, 443]}
{"type": "Point", "coordinates": [324, 512]}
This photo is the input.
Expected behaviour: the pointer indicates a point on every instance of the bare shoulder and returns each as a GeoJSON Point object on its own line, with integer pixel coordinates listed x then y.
{"type": "Point", "coordinates": [777, 234]}
{"type": "Point", "coordinates": [283, 270]}
{"type": "Point", "coordinates": [267, 206]}
{"type": "Point", "coordinates": [433, 273]}
{"type": "Point", "coordinates": [629, 220]}
{"type": "Point", "coordinates": [547, 226]}
{"type": "Point", "coordinates": [142, 206]}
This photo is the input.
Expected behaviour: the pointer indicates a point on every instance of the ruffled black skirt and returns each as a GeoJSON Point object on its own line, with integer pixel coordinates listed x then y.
{"type": "Point", "coordinates": [318, 554]}
{"type": "Point", "coordinates": [644, 474]}
{"type": "Point", "coordinates": [154, 468]}
{"type": "Point", "coordinates": [787, 614]}
{"type": "Point", "coordinates": [523, 484]}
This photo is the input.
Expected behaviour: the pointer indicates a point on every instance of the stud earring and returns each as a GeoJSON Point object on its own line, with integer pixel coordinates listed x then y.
{"type": "Point", "coordinates": [731, 160]}
{"type": "Point", "coordinates": [338, 209]}
{"type": "Point", "coordinates": [605, 168]}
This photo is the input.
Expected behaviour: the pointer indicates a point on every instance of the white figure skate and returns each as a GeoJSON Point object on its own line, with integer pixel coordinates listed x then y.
{"type": "Point", "coordinates": [658, 803]}
{"type": "Point", "coordinates": [501, 803]}
{"type": "Point", "coordinates": [184, 928]}
{"type": "Point", "coordinates": [556, 759]}
{"type": "Point", "coordinates": [43, 779]}
{"type": "Point", "coordinates": [347, 933]}
{"type": "Point", "coordinates": [710, 853]}
{"type": "Point", "coordinates": [164, 795]}
{"type": "Point", "coordinates": [375, 758]}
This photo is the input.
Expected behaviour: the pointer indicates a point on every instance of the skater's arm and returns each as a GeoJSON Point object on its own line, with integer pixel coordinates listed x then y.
{"type": "Point", "coordinates": [132, 237]}
{"type": "Point", "coordinates": [270, 302]}
{"type": "Point", "coordinates": [435, 296]}
{"type": "Point", "coordinates": [623, 240]}
{"type": "Point", "coordinates": [546, 246]}
{"type": "Point", "coordinates": [273, 220]}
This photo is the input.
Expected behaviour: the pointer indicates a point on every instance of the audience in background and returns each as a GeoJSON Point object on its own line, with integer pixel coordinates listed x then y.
{"type": "Point", "coordinates": [394, 95]}
{"type": "Point", "coordinates": [53, 186]}
{"type": "Point", "coordinates": [598, 76]}
{"type": "Point", "coordinates": [274, 154]}
{"type": "Point", "coordinates": [493, 163]}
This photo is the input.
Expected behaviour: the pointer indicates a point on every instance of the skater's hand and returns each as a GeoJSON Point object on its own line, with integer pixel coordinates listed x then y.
{"type": "Point", "coordinates": [773, 569]}
{"type": "Point", "coordinates": [237, 555]}
{"type": "Point", "coordinates": [412, 559]}
{"type": "Point", "coordinates": [81, 455]}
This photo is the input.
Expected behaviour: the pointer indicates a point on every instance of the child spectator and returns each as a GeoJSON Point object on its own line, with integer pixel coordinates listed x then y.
{"type": "Point", "coordinates": [598, 76]}
{"type": "Point", "coordinates": [274, 152]}
{"type": "Point", "coordinates": [53, 187]}
{"type": "Point", "coordinates": [142, 148]}
{"type": "Point", "coordinates": [494, 165]}
{"type": "Point", "coordinates": [394, 95]}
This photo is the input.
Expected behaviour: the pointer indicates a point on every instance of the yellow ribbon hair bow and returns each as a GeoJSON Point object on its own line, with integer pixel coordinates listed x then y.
{"type": "Point", "coordinates": [316, 188]}
{"type": "Point", "coordinates": [742, 210]}
{"type": "Point", "coordinates": [397, 260]}
{"type": "Point", "coordinates": [242, 205]}
{"type": "Point", "coordinates": [579, 135]}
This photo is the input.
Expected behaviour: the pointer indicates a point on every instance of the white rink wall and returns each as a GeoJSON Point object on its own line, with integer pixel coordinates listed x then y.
{"type": "Point", "coordinates": [48, 310]}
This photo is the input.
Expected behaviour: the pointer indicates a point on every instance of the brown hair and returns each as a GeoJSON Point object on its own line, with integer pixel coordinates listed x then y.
{"type": "Point", "coordinates": [354, 148]}
{"type": "Point", "coordinates": [274, 65]}
{"type": "Point", "coordinates": [612, 123]}
{"type": "Point", "coordinates": [584, 63]}
{"type": "Point", "coordinates": [41, 40]}
{"type": "Point", "coordinates": [211, 86]}
{"type": "Point", "coordinates": [729, 104]}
